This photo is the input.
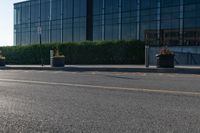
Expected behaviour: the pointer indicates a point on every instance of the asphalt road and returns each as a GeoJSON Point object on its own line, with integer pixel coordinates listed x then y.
{"type": "Point", "coordinates": [98, 102]}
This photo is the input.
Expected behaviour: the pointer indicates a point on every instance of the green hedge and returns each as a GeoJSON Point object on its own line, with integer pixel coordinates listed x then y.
{"type": "Point", "coordinates": [104, 52]}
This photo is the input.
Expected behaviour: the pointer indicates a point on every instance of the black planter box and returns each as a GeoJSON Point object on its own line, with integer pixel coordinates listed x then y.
{"type": "Point", "coordinates": [2, 62]}
{"type": "Point", "coordinates": [165, 61]}
{"type": "Point", "coordinates": [58, 61]}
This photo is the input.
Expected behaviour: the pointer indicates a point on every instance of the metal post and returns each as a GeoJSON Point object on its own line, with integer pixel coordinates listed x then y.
{"type": "Point", "coordinates": [40, 36]}
{"type": "Point", "coordinates": [40, 39]}
{"type": "Point", "coordinates": [51, 58]}
{"type": "Point", "coordinates": [147, 56]}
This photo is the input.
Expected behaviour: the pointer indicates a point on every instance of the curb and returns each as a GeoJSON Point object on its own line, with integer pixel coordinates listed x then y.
{"type": "Point", "coordinates": [109, 69]}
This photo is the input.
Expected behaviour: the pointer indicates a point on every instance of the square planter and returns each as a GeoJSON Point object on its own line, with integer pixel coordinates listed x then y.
{"type": "Point", "coordinates": [165, 61]}
{"type": "Point", "coordinates": [58, 61]}
{"type": "Point", "coordinates": [2, 62]}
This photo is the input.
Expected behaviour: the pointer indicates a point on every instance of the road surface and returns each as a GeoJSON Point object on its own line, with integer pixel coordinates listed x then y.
{"type": "Point", "coordinates": [98, 102]}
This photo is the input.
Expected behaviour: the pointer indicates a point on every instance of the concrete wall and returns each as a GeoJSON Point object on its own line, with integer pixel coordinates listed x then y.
{"type": "Point", "coordinates": [184, 55]}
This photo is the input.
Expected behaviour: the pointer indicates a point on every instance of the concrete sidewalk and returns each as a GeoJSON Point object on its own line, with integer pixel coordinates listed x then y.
{"type": "Point", "coordinates": [108, 68]}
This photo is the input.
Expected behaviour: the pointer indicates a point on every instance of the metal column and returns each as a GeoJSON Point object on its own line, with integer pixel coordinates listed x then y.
{"type": "Point", "coordinates": [61, 17]}
{"type": "Point", "coordinates": [120, 19]}
{"type": "Point", "coordinates": [50, 19]}
{"type": "Point", "coordinates": [89, 20]}
{"type": "Point", "coordinates": [181, 21]}
{"type": "Point", "coordinates": [138, 19]}
{"type": "Point", "coordinates": [103, 20]}
{"type": "Point", "coordinates": [158, 22]}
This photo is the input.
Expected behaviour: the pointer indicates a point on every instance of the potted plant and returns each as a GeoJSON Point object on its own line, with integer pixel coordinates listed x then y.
{"type": "Point", "coordinates": [165, 59]}
{"type": "Point", "coordinates": [58, 60]}
{"type": "Point", "coordinates": [2, 60]}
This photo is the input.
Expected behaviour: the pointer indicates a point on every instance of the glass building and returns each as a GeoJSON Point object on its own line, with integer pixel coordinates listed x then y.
{"type": "Point", "coordinates": [157, 22]}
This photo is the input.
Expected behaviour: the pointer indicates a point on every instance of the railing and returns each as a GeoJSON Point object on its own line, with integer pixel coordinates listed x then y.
{"type": "Point", "coordinates": [187, 58]}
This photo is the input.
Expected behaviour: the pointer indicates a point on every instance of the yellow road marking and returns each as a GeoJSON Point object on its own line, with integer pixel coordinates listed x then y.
{"type": "Point", "coordinates": [106, 87]}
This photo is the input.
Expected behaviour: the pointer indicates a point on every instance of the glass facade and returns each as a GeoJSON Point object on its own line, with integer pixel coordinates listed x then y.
{"type": "Point", "coordinates": [59, 21]}
{"type": "Point", "coordinates": [157, 22]}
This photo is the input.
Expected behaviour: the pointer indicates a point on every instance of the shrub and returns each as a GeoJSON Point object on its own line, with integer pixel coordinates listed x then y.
{"type": "Point", "coordinates": [100, 52]}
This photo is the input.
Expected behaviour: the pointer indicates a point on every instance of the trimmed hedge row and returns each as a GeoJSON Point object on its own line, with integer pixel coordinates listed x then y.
{"type": "Point", "coordinates": [104, 52]}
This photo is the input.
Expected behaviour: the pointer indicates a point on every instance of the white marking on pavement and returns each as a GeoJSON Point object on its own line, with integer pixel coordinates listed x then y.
{"type": "Point", "coordinates": [105, 87]}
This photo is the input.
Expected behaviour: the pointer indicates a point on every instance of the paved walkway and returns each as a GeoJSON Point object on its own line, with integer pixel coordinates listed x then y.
{"type": "Point", "coordinates": [108, 68]}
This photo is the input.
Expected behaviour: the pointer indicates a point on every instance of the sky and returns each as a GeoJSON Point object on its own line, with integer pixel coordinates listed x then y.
{"type": "Point", "coordinates": [6, 21]}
